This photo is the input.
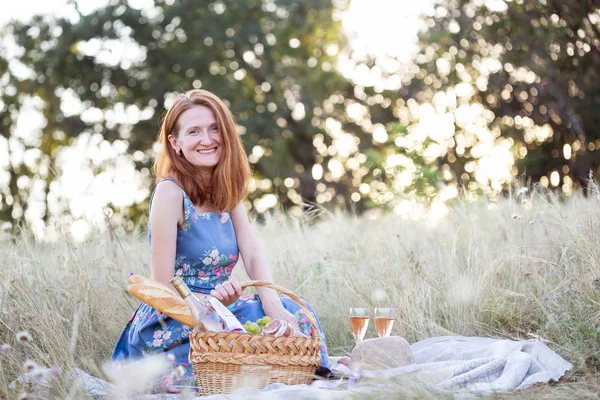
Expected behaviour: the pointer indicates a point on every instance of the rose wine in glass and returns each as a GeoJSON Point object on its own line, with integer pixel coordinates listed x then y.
{"type": "Point", "coordinates": [384, 321]}
{"type": "Point", "coordinates": [359, 322]}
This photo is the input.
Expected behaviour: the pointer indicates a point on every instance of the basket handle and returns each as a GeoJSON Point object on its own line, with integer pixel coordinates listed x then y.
{"type": "Point", "coordinates": [311, 317]}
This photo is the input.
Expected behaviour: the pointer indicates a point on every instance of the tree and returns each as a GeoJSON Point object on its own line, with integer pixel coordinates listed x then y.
{"type": "Point", "coordinates": [529, 69]}
{"type": "Point", "coordinates": [273, 61]}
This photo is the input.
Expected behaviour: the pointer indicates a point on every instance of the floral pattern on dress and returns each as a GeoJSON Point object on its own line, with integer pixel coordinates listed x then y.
{"type": "Point", "coordinates": [179, 376]}
{"type": "Point", "coordinates": [160, 336]}
{"type": "Point", "coordinates": [206, 254]}
{"type": "Point", "coordinates": [303, 322]}
{"type": "Point", "coordinates": [219, 266]}
{"type": "Point", "coordinates": [186, 223]}
{"type": "Point", "coordinates": [212, 269]}
{"type": "Point", "coordinates": [205, 216]}
{"type": "Point", "coordinates": [142, 314]}
{"type": "Point", "coordinates": [191, 216]}
{"type": "Point", "coordinates": [167, 337]}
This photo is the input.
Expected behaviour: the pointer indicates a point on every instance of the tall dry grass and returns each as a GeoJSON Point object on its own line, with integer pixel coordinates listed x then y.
{"type": "Point", "coordinates": [526, 266]}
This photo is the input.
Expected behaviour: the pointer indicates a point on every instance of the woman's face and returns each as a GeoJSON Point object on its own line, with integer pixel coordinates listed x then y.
{"type": "Point", "coordinates": [198, 137]}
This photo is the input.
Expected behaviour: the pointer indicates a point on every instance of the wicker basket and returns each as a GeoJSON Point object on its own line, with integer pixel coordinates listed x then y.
{"type": "Point", "coordinates": [225, 361]}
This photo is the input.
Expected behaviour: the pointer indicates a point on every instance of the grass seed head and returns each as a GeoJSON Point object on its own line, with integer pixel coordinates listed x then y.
{"type": "Point", "coordinates": [139, 376]}
{"type": "Point", "coordinates": [29, 365]}
{"type": "Point", "coordinates": [4, 349]}
{"type": "Point", "coordinates": [23, 338]}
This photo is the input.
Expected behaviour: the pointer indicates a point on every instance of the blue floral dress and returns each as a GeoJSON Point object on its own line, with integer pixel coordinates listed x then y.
{"type": "Point", "coordinates": [206, 253]}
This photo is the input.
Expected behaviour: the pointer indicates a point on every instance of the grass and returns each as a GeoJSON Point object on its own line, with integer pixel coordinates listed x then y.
{"type": "Point", "coordinates": [523, 267]}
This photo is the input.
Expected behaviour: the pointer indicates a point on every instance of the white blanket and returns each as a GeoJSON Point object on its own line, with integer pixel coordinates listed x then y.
{"type": "Point", "coordinates": [482, 364]}
{"type": "Point", "coordinates": [479, 365]}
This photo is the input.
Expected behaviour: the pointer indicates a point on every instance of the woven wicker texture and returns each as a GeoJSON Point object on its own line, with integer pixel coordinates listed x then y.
{"type": "Point", "coordinates": [225, 361]}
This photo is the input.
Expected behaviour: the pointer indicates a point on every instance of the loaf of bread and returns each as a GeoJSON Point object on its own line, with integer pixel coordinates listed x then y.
{"type": "Point", "coordinates": [161, 298]}
{"type": "Point", "coordinates": [138, 279]}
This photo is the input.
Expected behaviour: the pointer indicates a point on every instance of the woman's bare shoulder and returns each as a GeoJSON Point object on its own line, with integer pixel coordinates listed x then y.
{"type": "Point", "coordinates": [239, 210]}
{"type": "Point", "coordinates": [166, 192]}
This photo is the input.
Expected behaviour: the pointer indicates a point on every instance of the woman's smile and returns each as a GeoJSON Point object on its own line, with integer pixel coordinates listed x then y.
{"type": "Point", "coordinates": [207, 151]}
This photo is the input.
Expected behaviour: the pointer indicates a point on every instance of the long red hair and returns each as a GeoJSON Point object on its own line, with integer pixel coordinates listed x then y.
{"type": "Point", "coordinates": [229, 184]}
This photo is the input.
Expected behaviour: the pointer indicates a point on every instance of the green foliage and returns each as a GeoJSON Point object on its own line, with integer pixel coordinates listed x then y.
{"type": "Point", "coordinates": [524, 72]}
{"type": "Point", "coordinates": [272, 61]}
{"type": "Point", "coordinates": [549, 55]}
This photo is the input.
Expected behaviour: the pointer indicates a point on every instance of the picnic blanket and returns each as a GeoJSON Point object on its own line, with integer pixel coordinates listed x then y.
{"type": "Point", "coordinates": [479, 365]}
{"type": "Point", "coordinates": [484, 364]}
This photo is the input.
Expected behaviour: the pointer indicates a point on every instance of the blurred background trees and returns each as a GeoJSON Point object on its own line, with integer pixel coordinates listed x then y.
{"type": "Point", "coordinates": [530, 70]}
{"type": "Point", "coordinates": [498, 89]}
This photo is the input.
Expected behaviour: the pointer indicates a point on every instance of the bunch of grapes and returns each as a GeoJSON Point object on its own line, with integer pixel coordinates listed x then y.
{"type": "Point", "coordinates": [256, 327]}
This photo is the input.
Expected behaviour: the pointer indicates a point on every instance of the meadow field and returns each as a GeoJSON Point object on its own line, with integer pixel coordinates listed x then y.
{"type": "Point", "coordinates": [525, 266]}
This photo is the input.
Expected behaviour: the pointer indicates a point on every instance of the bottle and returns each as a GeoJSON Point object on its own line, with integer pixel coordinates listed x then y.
{"type": "Point", "coordinates": [204, 316]}
{"type": "Point", "coordinates": [232, 324]}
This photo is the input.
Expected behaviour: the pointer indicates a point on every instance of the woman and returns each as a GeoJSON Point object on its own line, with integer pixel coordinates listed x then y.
{"type": "Point", "coordinates": [198, 226]}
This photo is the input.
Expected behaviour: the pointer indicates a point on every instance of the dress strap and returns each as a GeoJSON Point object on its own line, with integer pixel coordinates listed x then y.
{"type": "Point", "coordinates": [169, 179]}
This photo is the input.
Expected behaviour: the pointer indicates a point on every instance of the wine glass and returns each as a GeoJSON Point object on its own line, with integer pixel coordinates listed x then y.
{"type": "Point", "coordinates": [384, 321]}
{"type": "Point", "coordinates": [359, 321]}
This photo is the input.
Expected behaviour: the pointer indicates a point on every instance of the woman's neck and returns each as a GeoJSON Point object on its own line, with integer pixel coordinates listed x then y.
{"type": "Point", "coordinates": [206, 181]}
{"type": "Point", "coordinates": [207, 176]}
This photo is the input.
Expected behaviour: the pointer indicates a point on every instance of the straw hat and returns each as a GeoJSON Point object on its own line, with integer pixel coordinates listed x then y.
{"type": "Point", "coordinates": [392, 352]}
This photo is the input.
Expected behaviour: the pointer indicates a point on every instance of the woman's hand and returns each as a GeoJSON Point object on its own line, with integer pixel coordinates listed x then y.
{"type": "Point", "coordinates": [279, 312]}
{"type": "Point", "coordinates": [228, 292]}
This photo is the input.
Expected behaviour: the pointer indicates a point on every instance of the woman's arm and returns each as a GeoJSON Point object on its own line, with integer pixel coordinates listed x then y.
{"type": "Point", "coordinates": [252, 256]}
{"type": "Point", "coordinates": [255, 265]}
{"type": "Point", "coordinates": [165, 213]}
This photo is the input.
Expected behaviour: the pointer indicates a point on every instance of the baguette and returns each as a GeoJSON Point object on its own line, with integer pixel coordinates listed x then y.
{"type": "Point", "coordinates": [161, 298]}
{"type": "Point", "coordinates": [138, 279]}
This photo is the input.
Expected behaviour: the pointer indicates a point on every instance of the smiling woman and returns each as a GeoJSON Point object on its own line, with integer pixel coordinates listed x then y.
{"type": "Point", "coordinates": [201, 131]}
{"type": "Point", "coordinates": [198, 229]}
